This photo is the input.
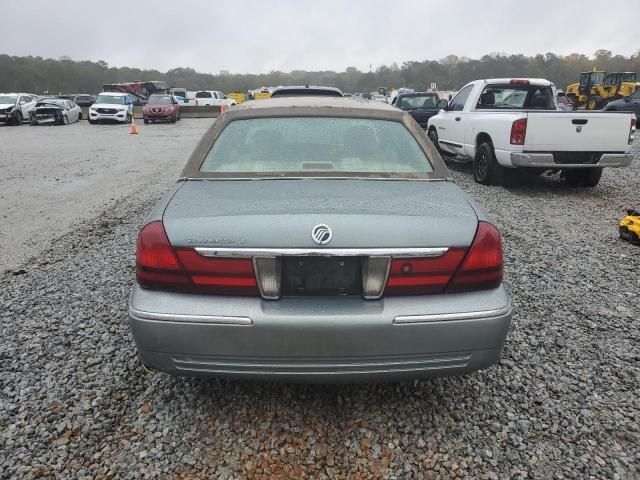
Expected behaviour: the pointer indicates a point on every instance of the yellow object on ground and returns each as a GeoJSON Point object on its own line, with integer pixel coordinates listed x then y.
{"type": "Point", "coordinates": [261, 95]}
{"type": "Point", "coordinates": [630, 227]}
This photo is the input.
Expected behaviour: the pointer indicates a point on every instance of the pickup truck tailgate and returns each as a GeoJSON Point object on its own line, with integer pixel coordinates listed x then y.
{"type": "Point", "coordinates": [577, 131]}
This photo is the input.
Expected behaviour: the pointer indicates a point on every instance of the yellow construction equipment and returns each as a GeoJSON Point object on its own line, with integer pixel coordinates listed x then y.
{"type": "Point", "coordinates": [630, 227]}
{"type": "Point", "coordinates": [597, 88]}
{"type": "Point", "coordinates": [239, 97]}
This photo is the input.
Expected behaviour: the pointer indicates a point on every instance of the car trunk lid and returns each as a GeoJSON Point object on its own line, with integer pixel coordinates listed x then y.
{"type": "Point", "coordinates": [282, 214]}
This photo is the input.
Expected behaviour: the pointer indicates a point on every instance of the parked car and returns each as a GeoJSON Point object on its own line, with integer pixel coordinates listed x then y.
{"type": "Point", "coordinates": [630, 103]}
{"type": "Point", "coordinates": [84, 100]}
{"type": "Point", "coordinates": [161, 107]}
{"type": "Point", "coordinates": [377, 266]}
{"type": "Point", "coordinates": [379, 98]}
{"type": "Point", "coordinates": [421, 105]}
{"type": "Point", "coordinates": [509, 123]}
{"type": "Point", "coordinates": [15, 107]}
{"type": "Point", "coordinates": [296, 91]}
{"type": "Point", "coordinates": [111, 106]}
{"type": "Point", "coordinates": [213, 98]}
{"type": "Point", "coordinates": [391, 99]}
{"type": "Point", "coordinates": [362, 96]}
{"type": "Point", "coordinates": [55, 111]}
{"type": "Point", "coordinates": [565, 104]}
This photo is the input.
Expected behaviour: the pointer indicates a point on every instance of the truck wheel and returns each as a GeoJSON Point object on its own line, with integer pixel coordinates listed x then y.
{"type": "Point", "coordinates": [486, 169]}
{"type": "Point", "coordinates": [594, 103]}
{"type": "Point", "coordinates": [433, 136]}
{"type": "Point", "coordinates": [585, 177]}
{"type": "Point", "coordinates": [146, 121]}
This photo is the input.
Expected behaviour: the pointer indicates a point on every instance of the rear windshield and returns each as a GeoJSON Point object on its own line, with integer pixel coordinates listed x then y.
{"type": "Point", "coordinates": [324, 145]}
{"type": "Point", "coordinates": [203, 95]}
{"type": "Point", "coordinates": [416, 102]}
{"type": "Point", "coordinates": [158, 100]}
{"type": "Point", "coordinates": [516, 97]}
{"type": "Point", "coordinates": [112, 99]}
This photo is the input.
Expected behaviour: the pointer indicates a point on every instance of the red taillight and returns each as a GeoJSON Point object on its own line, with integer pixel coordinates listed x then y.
{"type": "Point", "coordinates": [156, 262]}
{"type": "Point", "coordinates": [477, 268]}
{"type": "Point", "coordinates": [416, 276]}
{"type": "Point", "coordinates": [518, 131]}
{"type": "Point", "coordinates": [233, 276]}
{"type": "Point", "coordinates": [482, 266]}
{"type": "Point", "coordinates": [159, 266]}
{"type": "Point", "coordinates": [517, 81]}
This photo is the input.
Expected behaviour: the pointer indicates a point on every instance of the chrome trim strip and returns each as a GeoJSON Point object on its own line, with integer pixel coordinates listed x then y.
{"type": "Point", "coordinates": [320, 252]}
{"type": "Point", "coordinates": [451, 317]}
{"type": "Point", "coordinates": [180, 318]}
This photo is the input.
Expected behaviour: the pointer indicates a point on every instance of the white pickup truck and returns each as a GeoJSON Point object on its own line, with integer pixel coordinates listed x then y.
{"type": "Point", "coordinates": [213, 97]}
{"type": "Point", "coordinates": [507, 123]}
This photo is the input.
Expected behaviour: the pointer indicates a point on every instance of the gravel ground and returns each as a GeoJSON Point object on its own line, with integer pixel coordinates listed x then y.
{"type": "Point", "coordinates": [563, 403]}
{"type": "Point", "coordinates": [53, 177]}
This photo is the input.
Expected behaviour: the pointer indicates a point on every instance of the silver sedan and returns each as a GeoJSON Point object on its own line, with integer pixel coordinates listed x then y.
{"type": "Point", "coordinates": [318, 239]}
{"type": "Point", "coordinates": [55, 111]}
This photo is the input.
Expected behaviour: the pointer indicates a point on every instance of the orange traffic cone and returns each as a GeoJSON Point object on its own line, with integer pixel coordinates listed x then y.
{"type": "Point", "coordinates": [222, 109]}
{"type": "Point", "coordinates": [134, 129]}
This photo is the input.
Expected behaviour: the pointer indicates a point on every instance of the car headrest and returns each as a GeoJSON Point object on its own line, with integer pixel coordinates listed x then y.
{"type": "Point", "coordinates": [487, 98]}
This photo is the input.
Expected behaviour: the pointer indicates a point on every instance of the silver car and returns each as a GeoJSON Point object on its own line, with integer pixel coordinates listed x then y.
{"type": "Point", "coordinates": [55, 111]}
{"type": "Point", "coordinates": [318, 239]}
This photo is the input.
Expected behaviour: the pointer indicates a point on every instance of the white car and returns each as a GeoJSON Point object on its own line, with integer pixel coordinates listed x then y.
{"type": "Point", "coordinates": [508, 123]}
{"type": "Point", "coordinates": [55, 111]}
{"type": "Point", "coordinates": [111, 106]}
{"type": "Point", "coordinates": [213, 98]}
{"type": "Point", "coordinates": [16, 107]}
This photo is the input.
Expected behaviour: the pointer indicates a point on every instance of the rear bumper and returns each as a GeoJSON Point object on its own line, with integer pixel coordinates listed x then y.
{"type": "Point", "coordinates": [546, 160]}
{"type": "Point", "coordinates": [319, 339]}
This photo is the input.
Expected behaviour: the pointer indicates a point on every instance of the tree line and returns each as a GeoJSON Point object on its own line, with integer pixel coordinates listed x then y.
{"type": "Point", "coordinates": [64, 75]}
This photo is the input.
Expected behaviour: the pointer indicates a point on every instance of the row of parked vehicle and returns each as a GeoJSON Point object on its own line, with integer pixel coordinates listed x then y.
{"type": "Point", "coordinates": [18, 108]}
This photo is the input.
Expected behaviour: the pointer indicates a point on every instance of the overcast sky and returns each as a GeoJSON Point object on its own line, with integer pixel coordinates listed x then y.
{"type": "Point", "coordinates": [259, 36]}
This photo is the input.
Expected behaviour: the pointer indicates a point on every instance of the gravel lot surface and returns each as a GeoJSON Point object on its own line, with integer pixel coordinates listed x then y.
{"type": "Point", "coordinates": [52, 177]}
{"type": "Point", "coordinates": [563, 403]}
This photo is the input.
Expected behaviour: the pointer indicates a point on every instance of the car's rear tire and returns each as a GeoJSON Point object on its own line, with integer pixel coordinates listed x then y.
{"type": "Point", "coordinates": [65, 120]}
{"type": "Point", "coordinates": [433, 136]}
{"type": "Point", "coordinates": [583, 177]}
{"type": "Point", "coordinates": [146, 121]}
{"type": "Point", "coordinates": [486, 169]}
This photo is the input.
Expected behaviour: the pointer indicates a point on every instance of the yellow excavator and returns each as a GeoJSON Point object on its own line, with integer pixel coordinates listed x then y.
{"type": "Point", "coordinates": [597, 88]}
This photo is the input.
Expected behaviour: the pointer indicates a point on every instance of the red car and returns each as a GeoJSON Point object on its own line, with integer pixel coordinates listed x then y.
{"type": "Point", "coordinates": [161, 107]}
